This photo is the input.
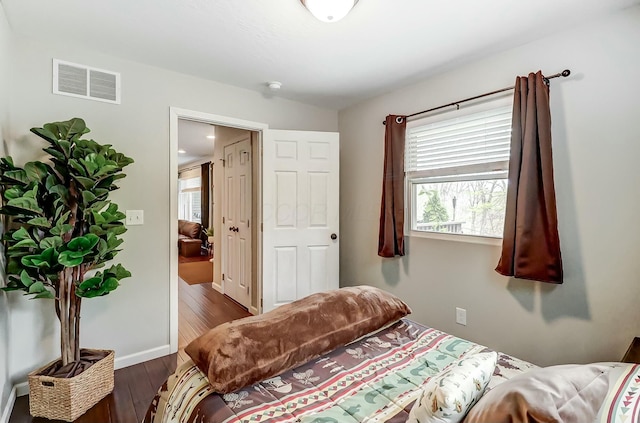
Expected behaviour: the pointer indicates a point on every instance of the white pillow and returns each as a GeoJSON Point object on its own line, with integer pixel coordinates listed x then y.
{"type": "Point", "coordinates": [448, 396]}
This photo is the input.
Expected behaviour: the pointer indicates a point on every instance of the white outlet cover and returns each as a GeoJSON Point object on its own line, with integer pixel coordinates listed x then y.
{"type": "Point", "coordinates": [461, 316]}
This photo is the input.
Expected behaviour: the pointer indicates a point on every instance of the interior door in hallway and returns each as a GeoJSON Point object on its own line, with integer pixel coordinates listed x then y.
{"type": "Point", "coordinates": [236, 261]}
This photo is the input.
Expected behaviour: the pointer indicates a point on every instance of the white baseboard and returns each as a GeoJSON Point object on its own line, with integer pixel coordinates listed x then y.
{"type": "Point", "coordinates": [6, 413]}
{"type": "Point", "coordinates": [217, 287]}
{"type": "Point", "coordinates": [139, 357]}
{"type": "Point", "coordinates": [22, 389]}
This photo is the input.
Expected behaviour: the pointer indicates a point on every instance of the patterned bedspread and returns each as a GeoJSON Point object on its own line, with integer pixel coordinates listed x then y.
{"type": "Point", "coordinates": [374, 379]}
{"type": "Point", "coordinates": [622, 404]}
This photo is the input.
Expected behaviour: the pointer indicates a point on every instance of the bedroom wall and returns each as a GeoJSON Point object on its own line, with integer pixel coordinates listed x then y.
{"type": "Point", "coordinates": [134, 318]}
{"type": "Point", "coordinates": [5, 50]}
{"type": "Point", "coordinates": [594, 315]}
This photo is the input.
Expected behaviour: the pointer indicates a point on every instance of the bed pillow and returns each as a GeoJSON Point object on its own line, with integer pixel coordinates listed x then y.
{"type": "Point", "coordinates": [558, 394]}
{"type": "Point", "coordinates": [240, 353]}
{"type": "Point", "coordinates": [447, 397]}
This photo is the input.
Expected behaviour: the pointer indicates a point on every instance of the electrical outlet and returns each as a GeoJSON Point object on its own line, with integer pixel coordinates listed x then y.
{"type": "Point", "coordinates": [461, 316]}
{"type": "Point", "coordinates": [134, 217]}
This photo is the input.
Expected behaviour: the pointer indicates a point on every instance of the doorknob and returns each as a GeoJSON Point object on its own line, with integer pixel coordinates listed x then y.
{"type": "Point", "coordinates": [233, 229]}
{"type": "Point", "coordinates": [334, 237]}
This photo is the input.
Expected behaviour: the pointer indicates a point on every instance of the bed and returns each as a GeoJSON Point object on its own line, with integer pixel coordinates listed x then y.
{"type": "Point", "coordinates": [377, 378]}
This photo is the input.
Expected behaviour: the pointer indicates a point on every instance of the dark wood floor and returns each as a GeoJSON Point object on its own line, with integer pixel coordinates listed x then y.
{"type": "Point", "coordinates": [200, 308]}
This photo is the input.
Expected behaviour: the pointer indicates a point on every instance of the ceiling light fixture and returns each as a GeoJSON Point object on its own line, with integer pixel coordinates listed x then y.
{"type": "Point", "coordinates": [329, 10]}
{"type": "Point", "coordinates": [211, 137]}
{"type": "Point", "coordinates": [181, 151]}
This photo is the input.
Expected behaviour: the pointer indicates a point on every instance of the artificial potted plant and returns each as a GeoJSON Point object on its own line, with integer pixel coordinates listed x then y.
{"type": "Point", "coordinates": [62, 228]}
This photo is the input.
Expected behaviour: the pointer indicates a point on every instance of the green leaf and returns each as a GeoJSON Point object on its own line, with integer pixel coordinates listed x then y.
{"type": "Point", "coordinates": [36, 171]}
{"type": "Point", "coordinates": [61, 229]}
{"type": "Point", "coordinates": [85, 182]}
{"type": "Point", "coordinates": [79, 168]}
{"type": "Point", "coordinates": [51, 242]}
{"type": "Point", "coordinates": [25, 203]}
{"type": "Point", "coordinates": [20, 234]}
{"type": "Point", "coordinates": [25, 279]}
{"type": "Point", "coordinates": [90, 283]}
{"type": "Point", "coordinates": [25, 243]}
{"type": "Point", "coordinates": [46, 133]}
{"type": "Point", "coordinates": [12, 193]}
{"type": "Point", "coordinates": [60, 190]}
{"type": "Point", "coordinates": [88, 197]}
{"type": "Point", "coordinates": [97, 230]}
{"type": "Point", "coordinates": [118, 230]}
{"type": "Point", "coordinates": [110, 284]}
{"type": "Point", "coordinates": [45, 294]}
{"type": "Point", "coordinates": [18, 175]}
{"type": "Point", "coordinates": [83, 243]}
{"type": "Point", "coordinates": [97, 218]}
{"type": "Point", "coordinates": [36, 288]}
{"type": "Point", "coordinates": [67, 261]}
{"type": "Point", "coordinates": [55, 153]}
{"type": "Point", "coordinates": [119, 272]}
{"type": "Point", "coordinates": [41, 222]}
{"type": "Point", "coordinates": [104, 170]}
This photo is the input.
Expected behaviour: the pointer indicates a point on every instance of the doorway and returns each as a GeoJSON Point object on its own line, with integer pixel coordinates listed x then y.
{"type": "Point", "coordinates": [229, 131]}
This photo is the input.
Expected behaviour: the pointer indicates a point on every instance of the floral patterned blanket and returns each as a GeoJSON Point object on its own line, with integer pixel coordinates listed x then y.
{"type": "Point", "coordinates": [374, 379]}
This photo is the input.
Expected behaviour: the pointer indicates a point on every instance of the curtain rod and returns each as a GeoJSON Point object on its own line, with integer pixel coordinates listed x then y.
{"type": "Point", "coordinates": [564, 74]}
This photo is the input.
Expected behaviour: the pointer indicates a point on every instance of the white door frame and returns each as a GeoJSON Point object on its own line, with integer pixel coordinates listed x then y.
{"type": "Point", "coordinates": [176, 113]}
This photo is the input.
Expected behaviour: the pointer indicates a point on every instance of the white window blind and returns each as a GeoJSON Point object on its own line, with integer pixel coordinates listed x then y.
{"type": "Point", "coordinates": [473, 143]}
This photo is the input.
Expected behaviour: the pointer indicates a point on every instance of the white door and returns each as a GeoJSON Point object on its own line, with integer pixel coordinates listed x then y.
{"type": "Point", "coordinates": [236, 261]}
{"type": "Point", "coordinates": [300, 215]}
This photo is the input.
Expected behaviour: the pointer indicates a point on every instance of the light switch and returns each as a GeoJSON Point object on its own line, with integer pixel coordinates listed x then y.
{"type": "Point", "coordinates": [134, 217]}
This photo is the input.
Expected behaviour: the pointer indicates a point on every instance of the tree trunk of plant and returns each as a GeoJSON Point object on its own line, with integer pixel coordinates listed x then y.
{"type": "Point", "coordinates": [69, 316]}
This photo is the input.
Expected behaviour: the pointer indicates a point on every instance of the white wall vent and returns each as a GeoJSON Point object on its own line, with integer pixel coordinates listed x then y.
{"type": "Point", "coordinates": [83, 81]}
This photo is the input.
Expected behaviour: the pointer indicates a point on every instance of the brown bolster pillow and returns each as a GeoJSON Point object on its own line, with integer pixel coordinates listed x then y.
{"type": "Point", "coordinates": [246, 351]}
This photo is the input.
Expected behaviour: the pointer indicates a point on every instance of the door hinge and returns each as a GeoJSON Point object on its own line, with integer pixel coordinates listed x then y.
{"type": "Point", "coordinates": [261, 302]}
{"type": "Point", "coordinates": [261, 227]}
{"type": "Point", "coordinates": [224, 162]}
{"type": "Point", "coordinates": [222, 219]}
{"type": "Point", "coordinates": [223, 276]}
{"type": "Point", "coordinates": [248, 224]}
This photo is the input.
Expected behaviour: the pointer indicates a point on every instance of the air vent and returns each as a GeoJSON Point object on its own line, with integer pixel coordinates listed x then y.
{"type": "Point", "coordinates": [83, 81]}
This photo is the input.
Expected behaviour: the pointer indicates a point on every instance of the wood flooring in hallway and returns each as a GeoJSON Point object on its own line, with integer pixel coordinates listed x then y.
{"type": "Point", "coordinates": [200, 307]}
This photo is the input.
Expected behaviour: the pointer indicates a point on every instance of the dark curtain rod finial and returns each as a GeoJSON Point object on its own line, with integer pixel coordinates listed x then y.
{"type": "Point", "coordinates": [564, 74]}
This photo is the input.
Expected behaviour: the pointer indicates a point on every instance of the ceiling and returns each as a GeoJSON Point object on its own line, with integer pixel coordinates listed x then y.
{"type": "Point", "coordinates": [192, 138]}
{"type": "Point", "coordinates": [381, 45]}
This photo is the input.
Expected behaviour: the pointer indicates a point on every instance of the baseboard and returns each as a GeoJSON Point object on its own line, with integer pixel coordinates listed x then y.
{"type": "Point", "coordinates": [139, 357]}
{"type": "Point", "coordinates": [217, 287]}
{"type": "Point", "coordinates": [6, 413]}
{"type": "Point", "coordinates": [22, 389]}
{"type": "Point", "coordinates": [253, 310]}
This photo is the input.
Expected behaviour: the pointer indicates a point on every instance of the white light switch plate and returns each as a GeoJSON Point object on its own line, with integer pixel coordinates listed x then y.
{"type": "Point", "coordinates": [134, 217]}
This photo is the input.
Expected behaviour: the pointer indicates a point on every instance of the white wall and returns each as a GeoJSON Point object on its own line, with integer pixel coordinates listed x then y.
{"type": "Point", "coordinates": [594, 315]}
{"type": "Point", "coordinates": [136, 316]}
{"type": "Point", "coordinates": [5, 48]}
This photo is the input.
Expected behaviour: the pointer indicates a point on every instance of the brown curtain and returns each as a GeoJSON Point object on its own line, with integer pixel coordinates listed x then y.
{"type": "Point", "coordinates": [204, 194]}
{"type": "Point", "coordinates": [391, 235]}
{"type": "Point", "coordinates": [531, 246]}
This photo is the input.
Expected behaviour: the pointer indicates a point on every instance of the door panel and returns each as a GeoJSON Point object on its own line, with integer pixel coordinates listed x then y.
{"type": "Point", "coordinates": [237, 262]}
{"type": "Point", "coordinates": [300, 212]}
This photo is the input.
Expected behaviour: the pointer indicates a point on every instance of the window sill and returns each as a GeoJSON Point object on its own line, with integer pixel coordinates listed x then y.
{"type": "Point", "coordinates": [470, 239]}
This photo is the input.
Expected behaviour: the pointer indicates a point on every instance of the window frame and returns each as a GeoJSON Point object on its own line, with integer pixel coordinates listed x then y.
{"type": "Point", "coordinates": [480, 172]}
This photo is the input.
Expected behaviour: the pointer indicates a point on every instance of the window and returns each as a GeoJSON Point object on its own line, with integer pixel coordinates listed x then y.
{"type": "Point", "coordinates": [189, 199]}
{"type": "Point", "coordinates": [457, 174]}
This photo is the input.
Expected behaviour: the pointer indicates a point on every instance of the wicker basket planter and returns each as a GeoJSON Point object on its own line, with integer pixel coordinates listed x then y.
{"type": "Point", "coordinates": [67, 399]}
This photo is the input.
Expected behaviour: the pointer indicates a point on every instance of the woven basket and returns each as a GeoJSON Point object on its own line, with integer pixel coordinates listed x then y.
{"type": "Point", "coordinates": [67, 399]}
